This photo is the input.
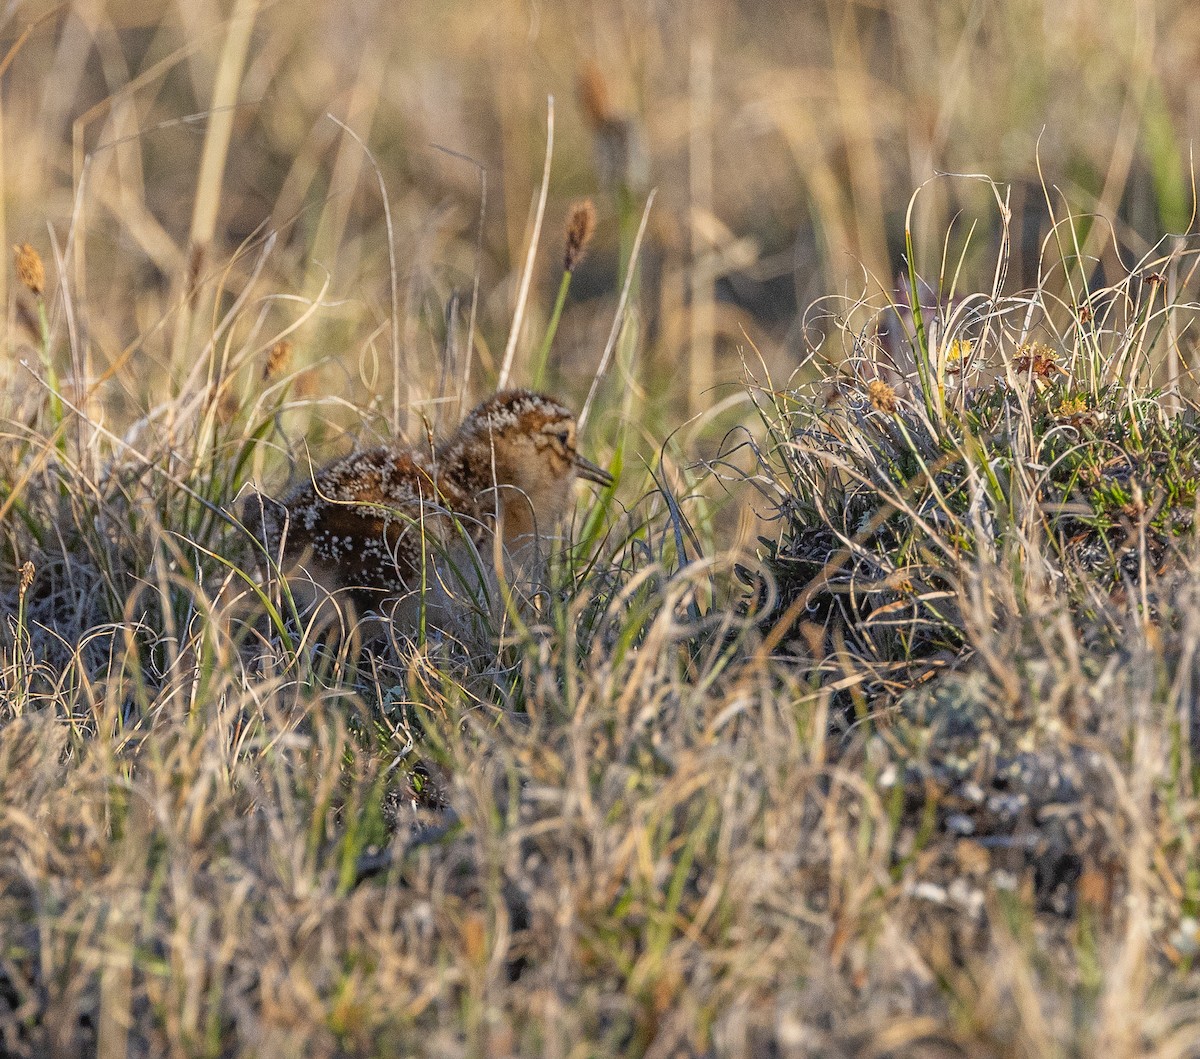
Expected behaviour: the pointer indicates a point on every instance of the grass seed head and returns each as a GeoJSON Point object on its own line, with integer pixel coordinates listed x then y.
{"type": "Point", "coordinates": [593, 96]}
{"type": "Point", "coordinates": [882, 397]}
{"type": "Point", "coordinates": [27, 572]}
{"type": "Point", "coordinates": [581, 226]}
{"type": "Point", "coordinates": [30, 270]}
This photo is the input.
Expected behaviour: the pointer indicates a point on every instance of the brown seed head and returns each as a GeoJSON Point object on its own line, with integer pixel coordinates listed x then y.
{"type": "Point", "coordinates": [882, 397]}
{"type": "Point", "coordinates": [581, 226]}
{"type": "Point", "coordinates": [279, 358]}
{"type": "Point", "coordinates": [227, 407]}
{"type": "Point", "coordinates": [593, 96]}
{"type": "Point", "coordinates": [27, 571]}
{"type": "Point", "coordinates": [30, 269]}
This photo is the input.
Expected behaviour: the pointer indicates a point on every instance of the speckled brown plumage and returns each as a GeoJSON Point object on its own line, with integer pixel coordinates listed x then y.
{"type": "Point", "coordinates": [383, 522]}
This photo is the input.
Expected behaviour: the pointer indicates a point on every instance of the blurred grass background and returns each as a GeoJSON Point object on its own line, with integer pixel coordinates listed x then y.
{"type": "Point", "coordinates": [785, 140]}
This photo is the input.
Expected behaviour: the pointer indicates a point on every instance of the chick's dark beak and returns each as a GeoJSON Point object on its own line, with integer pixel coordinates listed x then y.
{"type": "Point", "coordinates": [586, 469]}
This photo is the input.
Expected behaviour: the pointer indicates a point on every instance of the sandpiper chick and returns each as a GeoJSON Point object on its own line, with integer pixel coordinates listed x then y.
{"type": "Point", "coordinates": [392, 524]}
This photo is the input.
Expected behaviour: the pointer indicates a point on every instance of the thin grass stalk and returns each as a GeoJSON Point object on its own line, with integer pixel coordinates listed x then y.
{"type": "Point", "coordinates": [3, 204]}
{"type": "Point", "coordinates": [401, 368]}
{"type": "Point", "coordinates": [701, 312]}
{"type": "Point", "coordinates": [852, 83]}
{"type": "Point", "coordinates": [1171, 400]}
{"type": "Point", "coordinates": [477, 271]}
{"type": "Point", "coordinates": [920, 337]}
{"type": "Point", "coordinates": [542, 356]}
{"type": "Point", "coordinates": [226, 86]}
{"type": "Point", "coordinates": [116, 987]}
{"type": "Point", "coordinates": [52, 380]}
{"type": "Point", "coordinates": [618, 316]}
{"type": "Point", "coordinates": [206, 203]}
{"type": "Point", "coordinates": [22, 647]}
{"type": "Point", "coordinates": [510, 350]}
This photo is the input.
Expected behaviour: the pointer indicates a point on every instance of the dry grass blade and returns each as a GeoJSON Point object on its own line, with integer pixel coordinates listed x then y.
{"type": "Point", "coordinates": [226, 87]}
{"type": "Point", "coordinates": [619, 315]}
{"type": "Point", "coordinates": [514, 334]}
{"type": "Point", "coordinates": [401, 369]}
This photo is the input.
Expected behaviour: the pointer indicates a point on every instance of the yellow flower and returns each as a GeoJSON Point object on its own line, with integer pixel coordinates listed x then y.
{"type": "Point", "coordinates": [1071, 406]}
{"type": "Point", "coordinates": [957, 352]}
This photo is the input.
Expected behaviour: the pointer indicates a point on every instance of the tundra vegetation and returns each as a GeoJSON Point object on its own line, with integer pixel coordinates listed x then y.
{"type": "Point", "coordinates": [857, 719]}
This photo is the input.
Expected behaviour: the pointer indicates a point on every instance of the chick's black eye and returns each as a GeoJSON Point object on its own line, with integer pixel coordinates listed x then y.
{"type": "Point", "coordinates": [564, 437]}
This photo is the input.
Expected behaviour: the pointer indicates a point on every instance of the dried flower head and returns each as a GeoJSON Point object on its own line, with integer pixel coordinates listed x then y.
{"type": "Point", "coordinates": [957, 352]}
{"type": "Point", "coordinates": [882, 397]}
{"type": "Point", "coordinates": [1039, 362]}
{"type": "Point", "coordinates": [279, 358]}
{"type": "Point", "coordinates": [27, 572]}
{"type": "Point", "coordinates": [620, 149]}
{"type": "Point", "coordinates": [30, 270]}
{"type": "Point", "coordinates": [581, 226]}
{"type": "Point", "coordinates": [1038, 359]}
